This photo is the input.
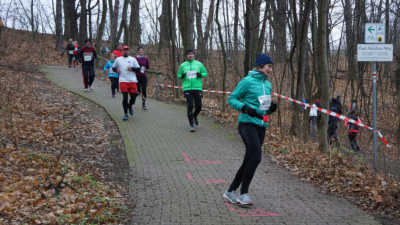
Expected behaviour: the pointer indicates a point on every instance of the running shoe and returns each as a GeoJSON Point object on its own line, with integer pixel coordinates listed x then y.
{"type": "Point", "coordinates": [231, 196]}
{"type": "Point", "coordinates": [85, 89]}
{"type": "Point", "coordinates": [113, 95]}
{"type": "Point", "coordinates": [91, 88]}
{"type": "Point", "coordinates": [144, 107]}
{"type": "Point", "coordinates": [192, 128]}
{"type": "Point", "coordinates": [196, 121]}
{"type": "Point", "coordinates": [244, 199]}
{"type": "Point", "coordinates": [125, 117]}
{"type": "Point", "coordinates": [131, 110]}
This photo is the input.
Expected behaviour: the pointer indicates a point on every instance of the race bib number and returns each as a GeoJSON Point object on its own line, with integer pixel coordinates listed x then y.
{"type": "Point", "coordinates": [191, 74]}
{"type": "Point", "coordinates": [71, 52]}
{"type": "Point", "coordinates": [142, 68]}
{"type": "Point", "coordinates": [87, 58]}
{"type": "Point", "coordinates": [265, 102]}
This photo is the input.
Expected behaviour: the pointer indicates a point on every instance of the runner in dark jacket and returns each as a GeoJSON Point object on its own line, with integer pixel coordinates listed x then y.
{"type": "Point", "coordinates": [87, 55]}
{"type": "Point", "coordinates": [70, 51]}
{"type": "Point", "coordinates": [333, 122]}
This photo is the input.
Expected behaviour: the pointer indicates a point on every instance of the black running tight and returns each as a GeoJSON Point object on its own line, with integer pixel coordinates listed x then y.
{"type": "Point", "coordinates": [253, 138]}
{"type": "Point", "coordinates": [190, 95]}
{"type": "Point", "coordinates": [125, 103]}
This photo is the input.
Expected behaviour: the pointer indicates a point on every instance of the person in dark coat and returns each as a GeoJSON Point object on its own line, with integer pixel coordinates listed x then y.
{"type": "Point", "coordinates": [333, 122]}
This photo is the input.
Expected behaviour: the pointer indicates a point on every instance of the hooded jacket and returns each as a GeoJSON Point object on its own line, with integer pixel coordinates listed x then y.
{"type": "Point", "coordinates": [195, 83]}
{"type": "Point", "coordinates": [254, 85]}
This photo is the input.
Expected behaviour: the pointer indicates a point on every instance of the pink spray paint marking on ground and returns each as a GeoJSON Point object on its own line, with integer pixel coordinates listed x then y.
{"type": "Point", "coordinates": [256, 212]}
{"type": "Point", "coordinates": [201, 162]}
{"type": "Point", "coordinates": [206, 181]}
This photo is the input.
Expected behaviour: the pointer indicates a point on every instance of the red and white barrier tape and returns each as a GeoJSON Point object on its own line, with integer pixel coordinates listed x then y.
{"type": "Point", "coordinates": [337, 115]}
{"type": "Point", "coordinates": [171, 86]}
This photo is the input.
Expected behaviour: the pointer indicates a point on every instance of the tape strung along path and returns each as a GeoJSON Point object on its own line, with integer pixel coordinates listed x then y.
{"type": "Point", "coordinates": [178, 177]}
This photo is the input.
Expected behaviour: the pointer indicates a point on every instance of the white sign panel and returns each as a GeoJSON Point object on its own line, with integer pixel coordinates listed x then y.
{"type": "Point", "coordinates": [374, 52]}
{"type": "Point", "coordinates": [375, 33]}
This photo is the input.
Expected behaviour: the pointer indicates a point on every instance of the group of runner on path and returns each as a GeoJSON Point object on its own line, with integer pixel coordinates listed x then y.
{"type": "Point", "coordinates": [252, 97]}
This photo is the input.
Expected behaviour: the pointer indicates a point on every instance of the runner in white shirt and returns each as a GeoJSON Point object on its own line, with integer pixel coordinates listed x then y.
{"type": "Point", "coordinates": [126, 67]}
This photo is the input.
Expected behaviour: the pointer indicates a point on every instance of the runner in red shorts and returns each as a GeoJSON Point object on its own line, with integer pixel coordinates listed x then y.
{"type": "Point", "coordinates": [126, 66]}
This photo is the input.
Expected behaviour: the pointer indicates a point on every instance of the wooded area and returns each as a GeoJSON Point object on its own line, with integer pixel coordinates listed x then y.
{"type": "Point", "coordinates": [313, 44]}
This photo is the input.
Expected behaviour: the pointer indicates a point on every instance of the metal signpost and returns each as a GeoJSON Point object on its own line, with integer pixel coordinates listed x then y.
{"type": "Point", "coordinates": [376, 51]}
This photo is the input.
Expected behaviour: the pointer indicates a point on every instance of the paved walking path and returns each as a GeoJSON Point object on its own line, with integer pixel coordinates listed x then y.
{"type": "Point", "coordinates": [178, 177]}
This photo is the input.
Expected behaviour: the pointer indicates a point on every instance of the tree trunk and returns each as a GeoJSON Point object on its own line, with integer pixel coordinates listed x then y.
{"type": "Point", "coordinates": [164, 25]}
{"type": "Point", "coordinates": [202, 38]}
{"type": "Point", "coordinates": [134, 24]}
{"type": "Point", "coordinates": [235, 27]}
{"type": "Point", "coordinates": [32, 22]}
{"type": "Point", "coordinates": [186, 25]}
{"type": "Point", "coordinates": [351, 62]}
{"type": "Point", "coordinates": [124, 24]}
{"type": "Point", "coordinates": [251, 31]}
{"type": "Point", "coordinates": [59, 31]}
{"type": "Point", "coordinates": [279, 38]}
{"type": "Point", "coordinates": [172, 37]}
{"type": "Point", "coordinates": [70, 20]}
{"type": "Point", "coordinates": [83, 23]}
{"type": "Point", "coordinates": [223, 97]}
{"type": "Point", "coordinates": [324, 72]}
{"type": "Point", "coordinates": [301, 67]}
{"type": "Point", "coordinates": [90, 19]}
{"type": "Point", "coordinates": [114, 23]}
{"type": "Point", "coordinates": [102, 24]}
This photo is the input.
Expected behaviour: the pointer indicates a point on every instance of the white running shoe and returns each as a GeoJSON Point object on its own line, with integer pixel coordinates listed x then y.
{"type": "Point", "coordinates": [91, 88]}
{"type": "Point", "coordinates": [231, 196]}
{"type": "Point", "coordinates": [245, 199]}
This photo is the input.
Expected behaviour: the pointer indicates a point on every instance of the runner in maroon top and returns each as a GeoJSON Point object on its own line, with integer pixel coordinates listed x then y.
{"type": "Point", "coordinates": [141, 76]}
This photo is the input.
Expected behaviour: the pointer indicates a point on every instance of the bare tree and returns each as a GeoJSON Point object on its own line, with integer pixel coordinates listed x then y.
{"type": "Point", "coordinates": [83, 32]}
{"type": "Point", "coordinates": [185, 20]}
{"type": "Point", "coordinates": [59, 31]}
{"type": "Point", "coordinates": [279, 36]}
{"type": "Point", "coordinates": [301, 66]}
{"type": "Point", "coordinates": [134, 24]}
{"type": "Point", "coordinates": [100, 31]}
{"type": "Point", "coordinates": [70, 20]}
{"type": "Point", "coordinates": [164, 25]}
{"type": "Point", "coordinates": [114, 21]}
{"type": "Point", "coordinates": [202, 38]}
{"type": "Point", "coordinates": [251, 31]}
{"type": "Point", "coordinates": [324, 72]}
{"type": "Point", "coordinates": [221, 40]}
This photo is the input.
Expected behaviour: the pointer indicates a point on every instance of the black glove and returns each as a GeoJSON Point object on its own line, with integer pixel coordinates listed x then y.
{"type": "Point", "coordinates": [136, 69]}
{"type": "Point", "coordinates": [273, 107]}
{"type": "Point", "coordinates": [250, 111]}
{"type": "Point", "coordinates": [198, 75]}
{"type": "Point", "coordinates": [183, 75]}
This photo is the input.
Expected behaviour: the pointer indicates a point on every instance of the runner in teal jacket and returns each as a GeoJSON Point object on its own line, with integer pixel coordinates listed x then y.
{"type": "Point", "coordinates": [248, 90]}
{"type": "Point", "coordinates": [252, 96]}
{"type": "Point", "coordinates": [192, 73]}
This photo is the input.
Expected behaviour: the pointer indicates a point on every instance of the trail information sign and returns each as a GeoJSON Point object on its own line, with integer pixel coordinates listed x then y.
{"type": "Point", "coordinates": [375, 52]}
{"type": "Point", "coordinates": [374, 33]}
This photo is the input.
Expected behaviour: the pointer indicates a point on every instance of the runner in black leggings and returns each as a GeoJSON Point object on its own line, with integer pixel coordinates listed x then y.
{"type": "Point", "coordinates": [252, 97]}
{"type": "Point", "coordinates": [192, 73]}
